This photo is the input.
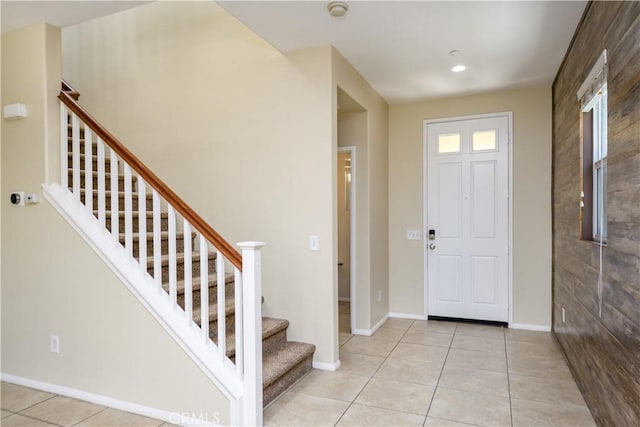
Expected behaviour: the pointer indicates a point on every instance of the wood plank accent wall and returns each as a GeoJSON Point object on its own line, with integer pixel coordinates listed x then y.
{"type": "Point", "coordinates": [603, 352]}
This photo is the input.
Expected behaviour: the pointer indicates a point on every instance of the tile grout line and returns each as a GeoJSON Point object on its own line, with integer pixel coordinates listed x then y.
{"type": "Point", "coordinates": [435, 389]}
{"type": "Point", "coordinates": [506, 357]}
{"type": "Point", "coordinates": [104, 408]}
{"type": "Point", "coordinates": [374, 374]}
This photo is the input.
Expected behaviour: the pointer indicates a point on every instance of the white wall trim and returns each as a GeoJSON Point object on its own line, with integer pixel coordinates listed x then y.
{"type": "Point", "coordinates": [528, 327]}
{"type": "Point", "coordinates": [324, 366]}
{"type": "Point", "coordinates": [369, 332]}
{"type": "Point", "coordinates": [407, 316]}
{"type": "Point", "coordinates": [509, 115]}
{"type": "Point", "coordinates": [135, 408]}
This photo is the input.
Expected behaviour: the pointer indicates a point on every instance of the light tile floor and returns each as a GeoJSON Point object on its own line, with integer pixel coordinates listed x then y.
{"type": "Point", "coordinates": [427, 373]}
{"type": "Point", "coordinates": [26, 407]}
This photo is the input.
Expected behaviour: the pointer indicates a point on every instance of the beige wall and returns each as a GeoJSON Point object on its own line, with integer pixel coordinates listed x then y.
{"type": "Point", "coordinates": [53, 283]}
{"type": "Point", "coordinates": [372, 257]}
{"type": "Point", "coordinates": [531, 197]}
{"type": "Point", "coordinates": [239, 130]}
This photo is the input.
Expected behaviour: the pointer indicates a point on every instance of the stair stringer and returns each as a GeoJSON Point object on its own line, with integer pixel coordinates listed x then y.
{"type": "Point", "coordinates": [206, 356]}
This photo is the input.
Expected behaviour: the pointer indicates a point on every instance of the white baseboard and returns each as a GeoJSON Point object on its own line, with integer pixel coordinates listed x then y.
{"type": "Point", "coordinates": [171, 417]}
{"type": "Point", "coordinates": [324, 366]}
{"type": "Point", "coordinates": [527, 327]}
{"type": "Point", "coordinates": [369, 332]}
{"type": "Point", "coordinates": [344, 299]}
{"type": "Point", "coordinates": [407, 316]}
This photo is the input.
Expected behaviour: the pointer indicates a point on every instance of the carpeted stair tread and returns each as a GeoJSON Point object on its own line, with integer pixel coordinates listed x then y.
{"type": "Point", "coordinates": [279, 362]}
{"type": "Point", "coordinates": [164, 259]}
{"type": "Point", "coordinates": [195, 282]}
{"type": "Point", "coordinates": [164, 235]}
{"type": "Point", "coordinates": [270, 327]}
{"type": "Point", "coordinates": [229, 308]}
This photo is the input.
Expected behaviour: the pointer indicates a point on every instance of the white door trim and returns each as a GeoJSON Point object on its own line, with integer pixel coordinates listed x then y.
{"type": "Point", "coordinates": [425, 123]}
{"type": "Point", "coordinates": [352, 233]}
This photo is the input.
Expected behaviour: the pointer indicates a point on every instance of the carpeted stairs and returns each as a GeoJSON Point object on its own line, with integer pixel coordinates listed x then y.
{"type": "Point", "coordinates": [284, 362]}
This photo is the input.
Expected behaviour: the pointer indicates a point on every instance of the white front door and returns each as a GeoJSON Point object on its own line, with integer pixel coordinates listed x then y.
{"type": "Point", "coordinates": [468, 218]}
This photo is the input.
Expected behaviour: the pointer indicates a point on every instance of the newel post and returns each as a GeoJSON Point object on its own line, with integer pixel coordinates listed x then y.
{"type": "Point", "coordinates": [252, 336]}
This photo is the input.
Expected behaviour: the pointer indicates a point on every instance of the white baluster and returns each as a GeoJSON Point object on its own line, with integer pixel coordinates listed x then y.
{"type": "Point", "coordinates": [142, 224]}
{"type": "Point", "coordinates": [204, 288]}
{"type": "Point", "coordinates": [173, 267]}
{"type": "Point", "coordinates": [252, 322]}
{"type": "Point", "coordinates": [222, 306]}
{"type": "Point", "coordinates": [128, 212]}
{"type": "Point", "coordinates": [88, 169]}
{"type": "Point", "coordinates": [102, 211]}
{"type": "Point", "coordinates": [237, 279]}
{"type": "Point", "coordinates": [188, 273]}
{"type": "Point", "coordinates": [115, 230]}
{"type": "Point", "coordinates": [75, 149]}
{"type": "Point", "coordinates": [64, 146]}
{"type": "Point", "coordinates": [157, 243]}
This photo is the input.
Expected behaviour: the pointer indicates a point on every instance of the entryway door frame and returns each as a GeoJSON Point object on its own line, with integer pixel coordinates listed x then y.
{"type": "Point", "coordinates": [425, 224]}
{"type": "Point", "coordinates": [351, 149]}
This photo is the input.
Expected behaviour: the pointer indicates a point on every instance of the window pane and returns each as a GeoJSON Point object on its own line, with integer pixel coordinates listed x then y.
{"type": "Point", "coordinates": [484, 140]}
{"type": "Point", "coordinates": [449, 143]}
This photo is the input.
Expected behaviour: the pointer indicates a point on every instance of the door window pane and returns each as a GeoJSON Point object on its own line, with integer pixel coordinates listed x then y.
{"type": "Point", "coordinates": [484, 140]}
{"type": "Point", "coordinates": [449, 143]}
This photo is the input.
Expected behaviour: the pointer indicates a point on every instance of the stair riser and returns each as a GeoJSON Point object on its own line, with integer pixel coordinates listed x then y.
{"type": "Point", "coordinates": [213, 294]}
{"type": "Point", "coordinates": [269, 344]}
{"type": "Point", "coordinates": [94, 165]}
{"type": "Point", "coordinates": [107, 181]}
{"type": "Point", "coordinates": [180, 269]}
{"type": "Point", "coordinates": [164, 224]}
{"type": "Point", "coordinates": [150, 247]}
{"type": "Point", "coordinates": [286, 381]}
{"type": "Point", "coordinates": [120, 201]}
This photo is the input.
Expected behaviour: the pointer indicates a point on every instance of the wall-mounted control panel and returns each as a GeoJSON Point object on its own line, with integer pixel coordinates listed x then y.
{"type": "Point", "coordinates": [20, 198]}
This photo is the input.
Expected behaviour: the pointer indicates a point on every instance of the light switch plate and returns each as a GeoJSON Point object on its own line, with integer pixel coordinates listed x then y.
{"type": "Point", "coordinates": [413, 234]}
{"type": "Point", "coordinates": [314, 243]}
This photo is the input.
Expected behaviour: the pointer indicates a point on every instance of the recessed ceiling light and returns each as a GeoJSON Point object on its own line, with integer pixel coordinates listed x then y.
{"type": "Point", "coordinates": [458, 68]}
{"type": "Point", "coordinates": [454, 52]}
{"type": "Point", "coordinates": [337, 8]}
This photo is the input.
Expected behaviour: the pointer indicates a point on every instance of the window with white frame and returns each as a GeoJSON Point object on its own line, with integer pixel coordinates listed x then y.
{"type": "Point", "coordinates": [593, 99]}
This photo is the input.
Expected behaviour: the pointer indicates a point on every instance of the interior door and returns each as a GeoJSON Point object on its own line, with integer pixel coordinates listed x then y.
{"type": "Point", "coordinates": [468, 218]}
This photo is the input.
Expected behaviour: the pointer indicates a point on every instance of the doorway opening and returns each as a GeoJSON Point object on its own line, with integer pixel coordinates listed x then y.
{"type": "Point", "coordinates": [345, 180]}
{"type": "Point", "coordinates": [352, 136]}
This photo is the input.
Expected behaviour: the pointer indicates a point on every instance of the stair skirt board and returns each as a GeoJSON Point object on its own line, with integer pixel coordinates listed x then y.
{"type": "Point", "coordinates": [284, 362]}
{"type": "Point", "coordinates": [134, 408]}
{"type": "Point", "coordinates": [324, 366]}
{"type": "Point", "coordinates": [130, 274]}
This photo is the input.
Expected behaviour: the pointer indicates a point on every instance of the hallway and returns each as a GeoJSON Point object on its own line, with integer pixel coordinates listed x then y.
{"type": "Point", "coordinates": [432, 373]}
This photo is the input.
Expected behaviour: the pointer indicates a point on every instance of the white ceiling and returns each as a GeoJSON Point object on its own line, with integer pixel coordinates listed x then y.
{"type": "Point", "coordinates": [402, 47]}
{"type": "Point", "coordinates": [17, 14]}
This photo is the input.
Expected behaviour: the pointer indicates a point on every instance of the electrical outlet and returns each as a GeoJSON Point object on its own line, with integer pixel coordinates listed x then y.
{"type": "Point", "coordinates": [563, 316]}
{"type": "Point", "coordinates": [55, 344]}
{"type": "Point", "coordinates": [379, 296]}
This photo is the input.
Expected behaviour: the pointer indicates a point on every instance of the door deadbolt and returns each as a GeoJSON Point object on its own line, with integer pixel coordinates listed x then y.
{"type": "Point", "coordinates": [432, 234]}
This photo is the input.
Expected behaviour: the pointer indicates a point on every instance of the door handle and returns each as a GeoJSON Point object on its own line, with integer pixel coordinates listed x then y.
{"type": "Point", "coordinates": [432, 246]}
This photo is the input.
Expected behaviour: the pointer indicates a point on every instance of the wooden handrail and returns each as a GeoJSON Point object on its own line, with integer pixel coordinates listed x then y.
{"type": "Point", "coordinates": [152, 179]}
{"type": "Point", "coordinates": [66, 87]}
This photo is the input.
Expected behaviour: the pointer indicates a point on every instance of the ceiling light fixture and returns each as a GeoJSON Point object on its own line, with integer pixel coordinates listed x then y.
{"type": "Point", "coordinates": [454, 52]}
{"type": "Point", "coordinates": [337, 8]}
{"type": "Point", "coordinates": [458, 68]}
